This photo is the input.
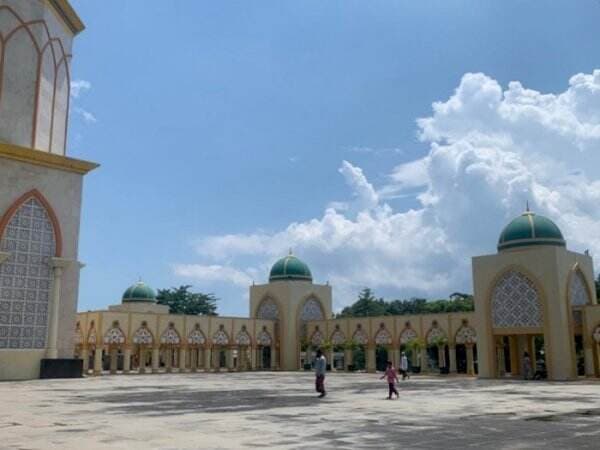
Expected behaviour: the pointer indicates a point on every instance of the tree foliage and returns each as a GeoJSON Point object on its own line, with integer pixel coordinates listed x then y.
{"type": "Point", "coordinates": [182, 301]}
{"type": "Point", "coordinates": [369, 305]}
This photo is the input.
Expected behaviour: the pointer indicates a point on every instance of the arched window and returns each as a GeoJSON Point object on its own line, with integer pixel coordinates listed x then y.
{"type": "Point", "coordinates": [143, 336]}
{"type": "Point", "coordinates": [383, 336]}
{"type": "Point", "coordinates": [220, 337]}
{"type": "Point", "coordinates": [516, 302]}
{"type": "Point", "coordinates": [578, 293]}
{"type": "Point", "coordinates": [466, 335]}
{"type": "Point", "coordinates": [243, 339]}
{"type": "Point", "coordinates": [317, 339]}
{"type": "Point", "coordinates": [268, 309]}
{"type": "Point", "coordinates": [170, 336]}
{"type": "Point", "coordinates": [264, 338]}
{"type": "Point", "coordinates": [407, 335]}
{"type": "Point", "coordinates": [30, 237]}
{"type": "Point", "coordinates": [114, 336]}
{"type": "Point", "coordinates": [311, 310]}
{"type": "Point", "coordinates": [360, 336]}
{"type": "Point", "coordinates": [196, 337]}
{"type": "Point", "coordinates": [338, 337]}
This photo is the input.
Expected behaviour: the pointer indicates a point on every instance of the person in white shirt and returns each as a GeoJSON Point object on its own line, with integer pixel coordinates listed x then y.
{"type": "Point", "coordinates": [320, 368]}
{"type": "Point", "coordinates": [404, 366]}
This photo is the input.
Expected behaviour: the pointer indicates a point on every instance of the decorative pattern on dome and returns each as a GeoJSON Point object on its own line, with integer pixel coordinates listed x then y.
{"type": "Point", "coordinates": [196, 337]}
{"type": "Point", "coordinates": [338, 338]}
{"type": "Point", "coordinates": [114, 336]}
{"type": "Point", "coordinates": [596, 334]}
{"type": "Point", "coordinates": [268, 310]}
{"type": "Point", "coordinates": [383, 337]}
{"type": "Point", "coordinates": [264, 338]}
{"type": "Point", "coordinates": [466, 335]}
{"type": "Point", "coordinates": [25, 277]}
{"type": "Point", "coordinates": [515, 302]}
{"type": "Point", "coordinates": [143, 336]}
{"type": "Point", "coordinates": [170, 336]}
{"type": "Point", "coordinates": [312, 310]}
{"type": "Point", "coordinates": [78, 335]}
{"type": "Point", "coordinates": [360, 337]}
{"type": "Point", "coordinates": [434, 334]}
{"type": "Point", "coordinates": [243, 339]}
{"type": "Point", "coordinates": [317, 339]}
{"type": "Point", "coordinates": [407, 335]}
{"type": "Point", "coordinates": [220, 337]}
{"type": "Point", "coordinates": [578, 293]}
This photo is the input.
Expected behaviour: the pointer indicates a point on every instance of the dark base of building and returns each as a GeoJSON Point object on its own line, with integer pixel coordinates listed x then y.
{"type": "Point", "coordinates": [61, 368]}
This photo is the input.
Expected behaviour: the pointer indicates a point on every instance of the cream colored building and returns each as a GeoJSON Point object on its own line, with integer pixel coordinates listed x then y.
{"type": "Point", "coordinates": [40, 187]}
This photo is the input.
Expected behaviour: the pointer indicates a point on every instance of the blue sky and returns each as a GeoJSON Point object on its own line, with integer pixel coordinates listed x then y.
{"type": "Point", "coordinates": [220, 125]}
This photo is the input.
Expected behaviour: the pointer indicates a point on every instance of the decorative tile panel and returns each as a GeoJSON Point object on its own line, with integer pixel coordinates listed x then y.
{"type": "Point", "coordinates": [25, 277]}
{"type": "Point", "coordinates": [220, 338]}
{"type": "Point", "coordinates": [407, 335]}
{"type": "Point", "coordinates": [578, 293]}
{"type": "Point", "coordinates": [360, 337]}
{"type": "Point", "coordinates": [383, 337]}
{"type": "Point", "coordinates": [268, 310]}
{"type": "Point", "coordinates": [515, 302]}
{"type": "Point", "coordinates": [143, 336]}
{"type": "Point", "coordinates": [338, 338]}
{"type": "Point", "coordinates": [466, 335]}
{"type": "Point", "coordinates": [312, 310]}
{"type": "Point", "coordinates": [243, 339]}
{"type": "Point", "coordinates": [114, 336]}
{"type": "Point", "coordinates": [264, 339]}
{"type": "Point", "coordinates": [317, 339]}
{"type": "Point", "coordinates": [434, 334]}
{"type": "Point", "coordinates": [170, 337]}
{"type": "Point", "coordinates": [196, 337]}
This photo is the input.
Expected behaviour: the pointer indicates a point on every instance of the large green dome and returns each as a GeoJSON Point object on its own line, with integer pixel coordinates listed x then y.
{"type": "Point", "coordinates": [139, 292]}
{"type": "Point", "coordinates": [530, 229]}
{"type": "Point", "coordinates": [290, 268]}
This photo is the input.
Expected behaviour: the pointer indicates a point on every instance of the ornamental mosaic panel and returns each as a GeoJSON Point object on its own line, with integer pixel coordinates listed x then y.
{"type": "Point", "coordinates": [360, 337]}
{"type": "Point", "coordinates": [220, 338]}
{"type": "Point", "coordinates": [596, 335]}
{"type": "Point", "coordinates": [466, 335]}
{"type": "Point", "coordinates": [170, 337]}
{"type": "Point", "coordinates": [196, 337]}
{"type": "Point", "coordinates": [407, 335]}
{"type": "Point", "coordinates": [317, 338]}
{"type": "Point", "coordinates": [434, 334]}
{"type": "Point", "coordinates": [114, 336]}
{"type": "Point", "coordinates": [25, 277]}
{"type": "Point", "coordinates": [515, 302]}
{"type": "Point", "coordinates": [143, 337]}
{"type": "Point", "coordinates": [383, 337]}
{"type": "Point", "coordinates": [578, 293]}
{"type": "Point", "coordinates": [338, 338]}
{"type": "Point", "coordinates": [268, 310]}
{"type": "Point", "coordinates": [243, 339]}
{"type": "Point", "coordinates": [264, 339]}
{"type": "Point", "coordinates": [311, 310]}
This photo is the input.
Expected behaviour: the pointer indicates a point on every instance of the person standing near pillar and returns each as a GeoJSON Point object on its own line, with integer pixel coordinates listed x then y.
{"type": "Point", "coordinates": [404, 366]}
{"type": "Point", "coordinates": [320, 369]}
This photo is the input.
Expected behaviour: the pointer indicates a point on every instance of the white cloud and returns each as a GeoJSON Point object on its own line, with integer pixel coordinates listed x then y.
{"type": "Point", "coordinates": [490, 150]}
{"type": "Point", "coordinates": [79, 86]}
{"type": "Point", "coordinates": [88, 117]}
{"type": "Point", "coordinates": [212, 273]}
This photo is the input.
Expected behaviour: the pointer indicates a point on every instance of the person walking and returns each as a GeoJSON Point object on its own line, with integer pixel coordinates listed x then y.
{"type": "Point", "coordinates": [404, 366]}
{"type": "Point", "coordinates": [320, 368]}
{"type": "Point", "coordinates": [526, 366]}
{"type": "Point", "coordinates": [392, 378]}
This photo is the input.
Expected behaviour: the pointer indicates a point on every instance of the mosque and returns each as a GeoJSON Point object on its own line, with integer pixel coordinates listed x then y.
{"type": "Point", "coordinates": [533, 295]}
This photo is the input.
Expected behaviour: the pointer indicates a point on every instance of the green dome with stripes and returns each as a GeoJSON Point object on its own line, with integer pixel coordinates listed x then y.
{"type": "Point", "coordinates": [139, 292]}
{"type": "Point", "coordinates": [290, 268]}
{"type": "Point", "coordinates": [530, 229]}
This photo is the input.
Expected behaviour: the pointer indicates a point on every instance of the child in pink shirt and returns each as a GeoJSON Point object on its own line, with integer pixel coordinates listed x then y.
{"type": "Point", "coordinates": [390, 373]}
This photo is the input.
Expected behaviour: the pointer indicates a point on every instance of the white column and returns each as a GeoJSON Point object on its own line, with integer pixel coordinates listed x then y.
{"type": "Point", "coordinates": [207, 359]}
{"type": "Point", "coordinates": [98, 361]}
{"type": "Point", "coordinates": [253, 358]}
{"type": "Point", "coordinates": [58, 264]}
{"type": "Point", "coordinates": [127, 359]}
{"type": "Point", "coordinates": [273, 358]}
{"type": "Point", "coordinates": [424, 360]}
{"type": "Point", "coordinates": [347, 358]}
{"type": "Point", "coordinates": [142, 358]}
{"type": "Point", "coordinates": [182, 357]}
{"type": "Point", "coordinates": [371, 359]}
{"type": "Point", "coordinates": [470, 360]}
{"type": "Point", "coordinates": [229, 358]}
{"type": "Point", "coordinates": [155, 359]}
{"type": "Point", "coordinates": [86, 359]}
{"type": "Point", "coordinates": [114, 356]}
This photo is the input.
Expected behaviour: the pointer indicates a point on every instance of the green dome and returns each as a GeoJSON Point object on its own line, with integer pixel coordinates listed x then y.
{"type": "Point", "coordinates": [530, 229]}
{"type": "Point", "coordinates": [290, 268]}
{"type": "Point", "coordinates": [139, 292]}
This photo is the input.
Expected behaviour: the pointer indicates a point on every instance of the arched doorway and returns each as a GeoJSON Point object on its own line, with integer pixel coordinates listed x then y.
{"type": "Point", "coordinates": [409, 345]}
{"type": "Point", "coordinates": [578, 298]}
{"type": "Point", "coordinates": [244, 343]}
{"type": "Point", "coordinates": [264, 342]}
{"type": "Point", "coordinates": [437, 349]}
{"type": "Point", "coordinates": [310, 310]}
{"type": "Point", "coordinates": [338, 342]}
{"type": "Point", "coordinates": [196, 344]}
{"type": "Point", "coordinates": [220, 349]}
{"type": "Point", "coordinates": [170, 343]}
{"type": "Point", "coordinates": [142, 345]}
{"type": "Point", "coordinates": [360, 341]}
{"type": "Point", "coordinates": [466, 349]}
{"type": "Point", "coordinates": [383, 343]}
{"type": "Point", "coordinates": [114, 340]}
{"type": "Point", "coordinates": [268, 309]}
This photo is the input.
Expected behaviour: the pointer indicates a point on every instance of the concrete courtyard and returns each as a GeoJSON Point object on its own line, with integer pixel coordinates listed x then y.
{"type": "Point", "coordinates": [279, 410]}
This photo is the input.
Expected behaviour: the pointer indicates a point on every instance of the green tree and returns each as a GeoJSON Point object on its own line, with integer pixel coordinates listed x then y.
{"type": "Point", "coordinates": [366, 305]}
{"type": "Point", "coordinates": [182, 301]}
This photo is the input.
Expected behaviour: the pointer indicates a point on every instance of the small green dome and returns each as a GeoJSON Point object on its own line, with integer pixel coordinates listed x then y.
{"type": "Point", "coordinates": [530, 229]}
{"type": "Point", "coordinates": [290, 268]}
{"type": "Point", "coordinates": [139, 292]}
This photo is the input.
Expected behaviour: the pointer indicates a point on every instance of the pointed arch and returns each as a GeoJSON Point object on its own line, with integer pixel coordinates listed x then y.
{"type": "Point", "coordinates": [360, 336]}
{"type": "Point", "coordinates": [579, 291]}
{"type": "Point", "coordinates": [78, 335]}
{"type": "Point", "coordinates": [220, 337]}
{"type": "Point", "coordinates": [383, 336]}
{"type": "Point", "coordinates": [37, 195]}
{"type": "Point", "coordinates": [196, 337]}
{"type": "Point", "coordinates": [311, 309]}
{"type": "Point", "coordinates": [516, 300]}
{"type": "Point", "coordinates": [268, 308]}
{"type": "Point", "coordinates": [170, 336]}
{"type": "Point", "coordinates": [466, 334]}
{"type": "Point", "coordinates": [114, 336]}
{"type": "Point", "coordinates": [317, 339]}
{"type": "Point", "coordinates": [243, 339]}
{"type": "Point", "coordinates": [434, 333]}
{"type": "Point", "coordinates": [264, 338]}
{"type": "Point", "coordinates": [407, 335]}
{"type": "Point", "coordinates": [338, 337]}
{"type": "Point", "coordinates": [143, 336]}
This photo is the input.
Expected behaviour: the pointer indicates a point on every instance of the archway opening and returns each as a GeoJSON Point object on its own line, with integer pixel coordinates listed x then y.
{"type": "Point", "coordinates": [359, 360]}
{"type": "Point", "coordinates": [381, 357]}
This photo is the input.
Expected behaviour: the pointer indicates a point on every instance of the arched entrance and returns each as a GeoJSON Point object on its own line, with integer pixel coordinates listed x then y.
{"type": "Point", "coordinates": [437, 349]}
{"type": "Point", "coordinates": [310, 310]}
{"type": "Point", "coordinates": [383, 344]}
{"type": "Point", "coordinates": [170, 344]}
{"type": "Point", "coordinates": [409, 340]}
{"type": "Point", "coordinates": [579, 296]}
{"type": "Point", "coordinates": [268, 309]}
{"type": "Point", "coordinates": [196, 344]}
{"type": "Point", "coordinates": [338, 343]}
{"type": "Point", "coordinates": [360, 341]}
{"type": "Point", "coordinates": [244, 343]}
{"type": "Point", "coordinates": [221, 353]}
{"type": "Point", "coordinates": [114, 340]}
{"type": "Point", "coordinates": [142, 345]}
{"type": "Point", "coordinates": [466, 349]}
{"type": "Point", "coordinates": [264, 342]}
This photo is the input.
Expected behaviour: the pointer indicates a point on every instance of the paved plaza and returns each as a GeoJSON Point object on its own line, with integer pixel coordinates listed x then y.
{"type": "Point", "coordinates": [279, 410]}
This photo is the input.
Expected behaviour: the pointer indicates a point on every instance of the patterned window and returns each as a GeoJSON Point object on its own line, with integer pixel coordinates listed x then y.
{"type": "Point", "coordinates": [466, 335]}
{"type": "Point", "coordinates": [383, 337]}
{"type": "Point", "coordinates": [434, 334]}
{"type": "Point", "coordinates": [143, 336]}
{"type": "Point", "coordinates": [196, 337]}
{"type": "Point", "coordinates": [338, 338]}
{"type": "Point", "coordinates": [243, 339]}
{"type": "Point", "coordinates": [170, 336]}
{"type": "Point", "coordinates": [407, 335]}
{"type": "Point", "coordinates": [25, 277]}
{"type": "Point", "coordinates": [264, 338]}
{"type": "Point", "coordinates": [596, 335]}
{"type": "Point", "coordinates": [312, 310]}
{"type": "Point", "coordinates": [578, 293]}
{"type": "Point", "coordinates": [515, 302]}
{"type": "Point", "coordinates": [268, 310]}
{"type": "Point", "coordinates": [360, 337]}
{"type": "Point", "coordinates": [220, 337]}
{"type": "Point", "coordinates": [317, 338]}
{"type": "Point", "coordinates": [114, 336]}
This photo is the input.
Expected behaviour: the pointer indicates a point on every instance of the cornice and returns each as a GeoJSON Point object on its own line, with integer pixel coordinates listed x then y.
{"type": "Point", "coordinates": [46, 159]}
{"type": "Point", "coordinates": [68, 14]}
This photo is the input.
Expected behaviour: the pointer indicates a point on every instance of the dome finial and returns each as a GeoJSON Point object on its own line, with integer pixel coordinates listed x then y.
{"type": "Point", "coordinates": [290, 252]}
{"type": "Point", "coordinates": [527, 206]}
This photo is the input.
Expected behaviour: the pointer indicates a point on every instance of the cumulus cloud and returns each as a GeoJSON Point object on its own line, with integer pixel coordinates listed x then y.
{"type": "Point", "coordinates": [490, 150]}
{"type": "Point", "coordinates": [212, 273]}
{"type": "Point", "coordinates": [79, 86]}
